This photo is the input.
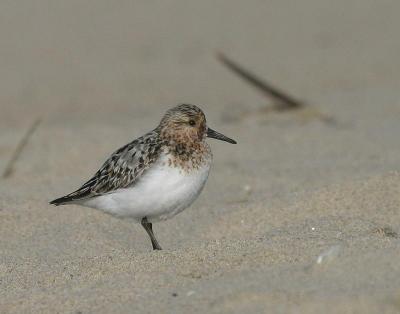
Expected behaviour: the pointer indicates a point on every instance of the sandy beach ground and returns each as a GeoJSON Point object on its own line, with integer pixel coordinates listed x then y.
{"type": "Point", "coordinates": [302, 216]}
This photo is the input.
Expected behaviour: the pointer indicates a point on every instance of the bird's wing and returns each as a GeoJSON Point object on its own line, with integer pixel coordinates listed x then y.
{"type": "Point", "coordinates": [121, 170]}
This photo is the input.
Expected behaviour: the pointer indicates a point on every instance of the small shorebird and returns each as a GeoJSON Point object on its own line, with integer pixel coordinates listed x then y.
{"type": "Point", "coordinates": [157, 175]}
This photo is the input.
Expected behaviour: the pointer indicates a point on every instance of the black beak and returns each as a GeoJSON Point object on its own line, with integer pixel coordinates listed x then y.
{"type": "Point", "coordinates": [214, 134]}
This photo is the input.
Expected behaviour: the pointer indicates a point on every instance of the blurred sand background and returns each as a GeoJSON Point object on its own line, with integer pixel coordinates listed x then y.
{"type": "Point", "coordinates": [301, 216]}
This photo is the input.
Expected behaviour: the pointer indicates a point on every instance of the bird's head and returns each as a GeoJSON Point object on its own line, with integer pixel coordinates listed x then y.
{"type": "Point", "coordinates": [185, 123]}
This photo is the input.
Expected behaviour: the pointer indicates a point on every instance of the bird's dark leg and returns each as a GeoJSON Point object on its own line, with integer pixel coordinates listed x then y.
{"type": "Point", "coordinates": [149, 229]}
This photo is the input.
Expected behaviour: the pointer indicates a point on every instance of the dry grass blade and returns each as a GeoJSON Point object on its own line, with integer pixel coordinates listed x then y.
{"type": "Point", "coordinates": [283, 99]}
{"type": "Point", "coordinates": [9, 169]}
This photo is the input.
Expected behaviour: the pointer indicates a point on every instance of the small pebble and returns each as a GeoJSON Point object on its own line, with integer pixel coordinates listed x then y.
{"type": "Point", "coordinates": [329, 255]}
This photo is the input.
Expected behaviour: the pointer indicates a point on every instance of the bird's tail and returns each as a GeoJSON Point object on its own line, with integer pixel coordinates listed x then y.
{"type": "Point", "coordinates": [62, 200]}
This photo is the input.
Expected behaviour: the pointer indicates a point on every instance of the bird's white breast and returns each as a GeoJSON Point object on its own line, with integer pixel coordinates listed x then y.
{"type": "Point", "coordinates": [162, 192]}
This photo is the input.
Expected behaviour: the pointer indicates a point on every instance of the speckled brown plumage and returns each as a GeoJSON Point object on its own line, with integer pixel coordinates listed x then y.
{"type": "Point", "coordinates": [186, 145]}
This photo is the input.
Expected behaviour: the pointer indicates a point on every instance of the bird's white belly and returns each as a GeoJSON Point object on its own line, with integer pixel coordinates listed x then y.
{"type": "Point", "coordinates": [161, 193]}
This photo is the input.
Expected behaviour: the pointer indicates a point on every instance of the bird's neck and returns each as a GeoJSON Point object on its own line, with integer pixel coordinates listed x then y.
{"type": "Point", "coordinates": [185, 152]}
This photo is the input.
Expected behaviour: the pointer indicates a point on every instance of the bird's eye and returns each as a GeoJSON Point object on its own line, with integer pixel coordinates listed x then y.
{"type": "Point", "coordinates": [192, 122]}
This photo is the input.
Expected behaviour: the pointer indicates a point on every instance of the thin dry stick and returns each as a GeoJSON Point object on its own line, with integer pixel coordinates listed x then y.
{"type": "Point", "coordinates": [19, 149]}
{"type": "Point", "coordinates": [284, 100]}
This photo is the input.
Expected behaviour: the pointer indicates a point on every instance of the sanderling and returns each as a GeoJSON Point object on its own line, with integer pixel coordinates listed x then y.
{"type": "Point", "coordinates": [157, 175]}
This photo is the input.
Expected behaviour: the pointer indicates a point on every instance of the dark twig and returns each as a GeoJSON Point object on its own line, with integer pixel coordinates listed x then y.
{"type": "Point", "coordinates": [19, 149]}
{"type": "Point", "coordinates": [284, 100]}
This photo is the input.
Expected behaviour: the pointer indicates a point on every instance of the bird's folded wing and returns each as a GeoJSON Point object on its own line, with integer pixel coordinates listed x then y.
{"type": "Point", "coordinates": [121, 170]}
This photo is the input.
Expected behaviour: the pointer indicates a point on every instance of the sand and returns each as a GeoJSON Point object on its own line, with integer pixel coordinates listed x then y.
{"type": "Point", "coordinates": [302, 216]}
